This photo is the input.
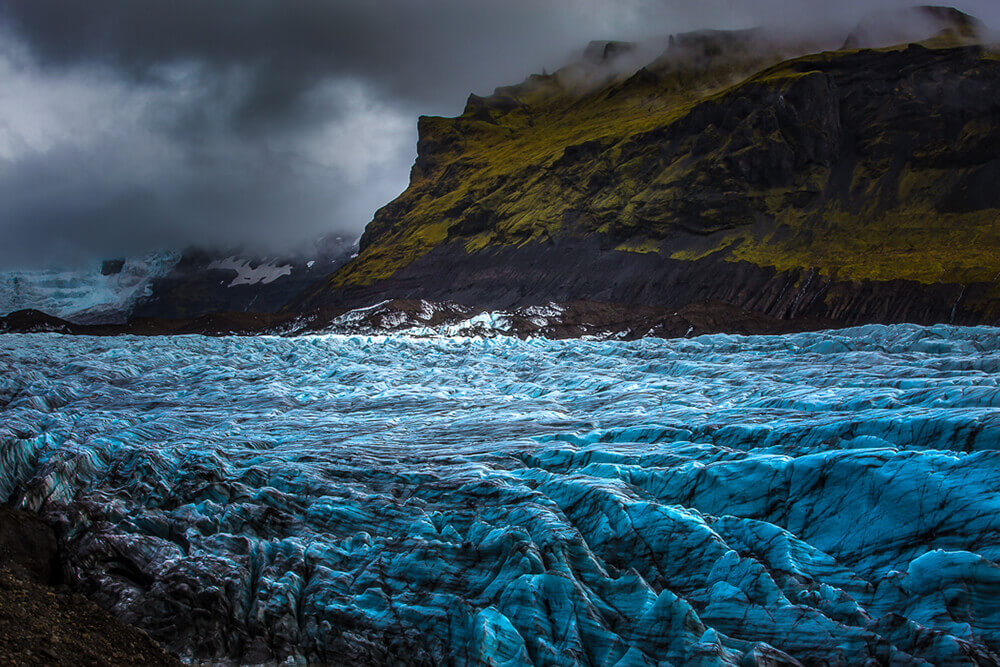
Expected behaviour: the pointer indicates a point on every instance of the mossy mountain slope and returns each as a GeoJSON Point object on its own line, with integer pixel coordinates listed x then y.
{"type": "Point", "coordinates": [853, 184]}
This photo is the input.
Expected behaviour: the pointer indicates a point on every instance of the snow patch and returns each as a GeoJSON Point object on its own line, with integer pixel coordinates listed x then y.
{"type": "Point", "coordinates": [248, 274]}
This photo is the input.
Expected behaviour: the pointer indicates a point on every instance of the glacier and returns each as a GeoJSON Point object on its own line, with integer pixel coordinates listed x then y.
{"type": "Point", "coordinates": [83, 294]}
{"type": "Point", "coordinates": [816, 498]}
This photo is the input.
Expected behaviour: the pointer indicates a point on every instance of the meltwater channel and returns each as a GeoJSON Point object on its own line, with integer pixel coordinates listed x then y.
{"type": "Point", "coordinates": [828, 497]}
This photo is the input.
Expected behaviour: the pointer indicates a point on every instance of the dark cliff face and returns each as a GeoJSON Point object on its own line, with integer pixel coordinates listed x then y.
{"type": "Point", "coordinates": [571, 270]}
{"type": "Point", "coordinates": [853, 185]}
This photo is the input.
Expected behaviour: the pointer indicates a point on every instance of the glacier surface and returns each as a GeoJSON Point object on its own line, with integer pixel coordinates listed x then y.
{"type": "Point", "coordinates": [818, 498]}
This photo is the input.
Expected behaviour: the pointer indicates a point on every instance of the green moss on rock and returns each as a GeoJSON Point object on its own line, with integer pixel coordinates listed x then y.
{"type": "Point", "coordinates": [861, 164]}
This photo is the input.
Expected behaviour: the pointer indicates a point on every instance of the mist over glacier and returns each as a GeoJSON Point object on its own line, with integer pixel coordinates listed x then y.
{"type": "Point", "coordinates": [817, 497]}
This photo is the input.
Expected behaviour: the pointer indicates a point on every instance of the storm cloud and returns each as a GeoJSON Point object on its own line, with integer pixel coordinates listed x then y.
{"type": "Point", "coordinates": [128, 126]}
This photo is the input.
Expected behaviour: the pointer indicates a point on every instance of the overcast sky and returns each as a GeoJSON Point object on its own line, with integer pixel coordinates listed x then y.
{"type": "Point", "coordinates": [130, 125]}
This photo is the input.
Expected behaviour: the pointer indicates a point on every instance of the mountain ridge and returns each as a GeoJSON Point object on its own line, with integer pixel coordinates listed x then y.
{"type": "Point", "coordinates": [858, 180]}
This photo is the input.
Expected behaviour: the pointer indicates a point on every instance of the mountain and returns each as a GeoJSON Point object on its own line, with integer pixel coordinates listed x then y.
{"type": "Point", "coordinates": [749, 169]}
{"type": "Point", "coordinates": [204, 282]}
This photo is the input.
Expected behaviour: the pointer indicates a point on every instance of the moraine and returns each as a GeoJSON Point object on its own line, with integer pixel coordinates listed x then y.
{"type": "Point", "coordinates": [825, 496]}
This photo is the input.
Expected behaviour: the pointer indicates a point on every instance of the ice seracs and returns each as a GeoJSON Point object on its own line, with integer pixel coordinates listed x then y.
{"type": "Point", "coordinates": [820, 498]}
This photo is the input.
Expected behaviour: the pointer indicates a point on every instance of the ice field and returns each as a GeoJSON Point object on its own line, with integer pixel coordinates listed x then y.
{"type": "Point", "coordinates": [823, 497]}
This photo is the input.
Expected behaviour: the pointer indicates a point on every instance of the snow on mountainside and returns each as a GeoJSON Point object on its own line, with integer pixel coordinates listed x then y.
{"type": "Point", "coordinates": [204, 282]}
{"type": "Point", "coordinates": [821, 498]}
{"type": "Point", "coordinates": [552, 320]}
{"type": "Point", "coordinates": [248, 274]}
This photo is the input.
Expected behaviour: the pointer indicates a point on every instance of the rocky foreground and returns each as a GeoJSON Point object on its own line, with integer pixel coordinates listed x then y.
{"type": "Point", "coordinates": [815, 498]}
{"type": "Point", "coordinates": [42, 622]}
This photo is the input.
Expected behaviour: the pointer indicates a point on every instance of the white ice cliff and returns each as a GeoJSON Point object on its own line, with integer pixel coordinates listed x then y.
{"type": "Point", "coordinates": [820, 498]}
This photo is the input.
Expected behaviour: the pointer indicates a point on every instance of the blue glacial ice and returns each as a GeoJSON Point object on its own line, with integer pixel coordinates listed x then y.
{"type": "Point", "coordinates": [828, 497]}
{"type": "Point", "coordinates": [84, 294]}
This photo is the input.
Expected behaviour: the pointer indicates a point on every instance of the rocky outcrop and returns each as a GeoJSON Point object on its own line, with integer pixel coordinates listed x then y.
{"type": "Point", "coordinates": [111, 267]}
{"type": "Point", "coordinates": [213, 324]}
{"type": "Point", "coordinates": [33, 321]}
{"type": "Point", "coordinates": [853, 185]}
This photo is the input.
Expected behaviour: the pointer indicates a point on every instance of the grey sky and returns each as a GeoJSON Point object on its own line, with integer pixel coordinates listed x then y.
{"type": "Point", "coordinates": [127, 125]}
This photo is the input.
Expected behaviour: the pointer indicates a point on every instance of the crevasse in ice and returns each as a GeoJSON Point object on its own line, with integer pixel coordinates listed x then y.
{"type": "Point", "coordinates": [830, 496]}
